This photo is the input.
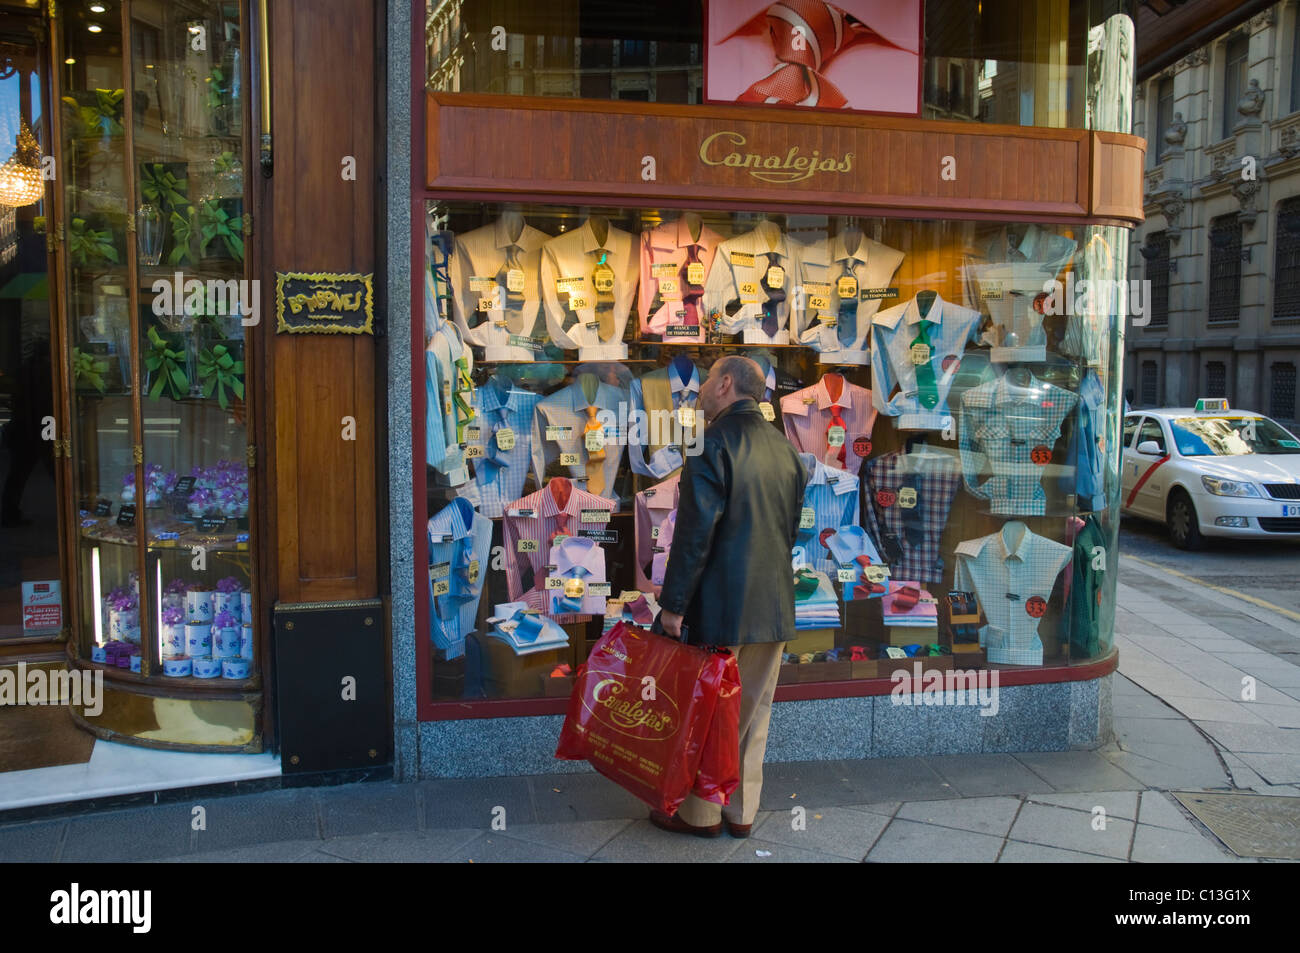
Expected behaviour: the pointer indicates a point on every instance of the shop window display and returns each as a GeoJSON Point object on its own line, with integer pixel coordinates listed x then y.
{"type": "Point", "coordinates": [955, 425]}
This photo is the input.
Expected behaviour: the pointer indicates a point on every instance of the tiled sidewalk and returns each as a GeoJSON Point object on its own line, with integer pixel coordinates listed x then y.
{"type": "Point", "coordinates": [1180, 720]}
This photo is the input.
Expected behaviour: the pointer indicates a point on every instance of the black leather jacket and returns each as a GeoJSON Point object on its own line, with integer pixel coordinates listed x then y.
{"type": "Point", "coordinates": [728, 570]}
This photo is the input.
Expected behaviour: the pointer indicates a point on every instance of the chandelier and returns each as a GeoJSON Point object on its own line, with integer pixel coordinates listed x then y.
{"type": "Point", "coordinates": [21, 182]}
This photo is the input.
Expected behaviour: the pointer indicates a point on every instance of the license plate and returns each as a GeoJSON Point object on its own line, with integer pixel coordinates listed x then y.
{"type": "Point", "coordinates": [1291, 509]}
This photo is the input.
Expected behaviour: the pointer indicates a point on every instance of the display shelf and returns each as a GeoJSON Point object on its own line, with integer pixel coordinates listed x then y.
{"type": "Point", "coordinates": [234, 685]}
{"type": "Point", "coordinates": [104, 529]}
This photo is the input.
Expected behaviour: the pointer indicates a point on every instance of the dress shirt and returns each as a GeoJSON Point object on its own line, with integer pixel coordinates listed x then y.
{"type": "Point", "coordinates": [574, 255]}
{"type": "Point", "coordinates": [727, 275]}
{"type": "Point", "coordinates": [1009, 291]}
{"type": "Point", "coordinates": [872, 266]}
{"type": "Point", "coordinates": [499, 475]}
{"type": "Point", "coordinates": [668, 245]}
{"type": "Point", "coordinates": [848, 546]}
{"type": "Point", "coordinates": [893, 332]}
{"type": "Point", "coordinates": [479, 259]}
{"type": "Point", "coordinates": [577, 558]}
{"type": "Point", "coordinates": [1006, 570]}
{"type": "Point", "coordinates": [909, 535]}
{"type": "Point", "coordinates": [1002, 424]}
{"type": "Point", "coordinates": [460, 541]}
{"type": "Point", "coordinates": [659, 562]}
{"type": "Point", "coordinates": [1085, 462]}
{"type": "Point", "coordinates": [1086, 593]}
{"type": "Point", "coordinates": [832, 495]}
{"type": "Point", "coordinates": [806, 416]}
{"type": "Point", "coordinates": [660, 395]}
{"type": "Point", "coordinates": [441, 382]}
{"type": "Point", "coordinates": [538, 517]}
{"type": "Point", "coordinates": [568, 408]}
{"type": "Point", "coordinates": [651, 508]}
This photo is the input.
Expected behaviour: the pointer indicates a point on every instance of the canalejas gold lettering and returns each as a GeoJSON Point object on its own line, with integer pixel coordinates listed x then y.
{"type": "Point", "coordinates": [792, 167]}
{"type": "Point", "coordinates": [628, 712]}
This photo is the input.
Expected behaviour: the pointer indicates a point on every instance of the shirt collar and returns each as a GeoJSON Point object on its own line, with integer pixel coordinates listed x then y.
{"type": "Point", "coordinates": [501, 232]}
{"type": "Point", "coordinates": [817, 471]}
{"type": "Point", "coordinates": [578, 551]}
{"type": "Point", "coordinates": [589, 243]}
{"type": "Point", "coordinates": [752, 243]}
{"type": "Point", "coordinates": [603, 398]}
{"type": "Point", "coordinates": [455, 519]}
{"type": "Point", "coordinates": [684, 239]}
{"type": "Point", "coordinates": [839, 251]}
{"type": "Point", "coordinates": [692, 385]}
{"type": "Point", "coordinates": [1021, 552]}
{"type": "Point", "coordinates": [913, 312]}
{"type": "Point", "coordinates": [845, 399]}
{"type": "Point", "coordinates": [849, 542]}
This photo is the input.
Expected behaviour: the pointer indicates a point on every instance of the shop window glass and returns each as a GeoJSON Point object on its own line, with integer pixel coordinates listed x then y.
{"type": "Point", "coordinates": [1068, 63]}
{"type": "Point", "coordinates": [564, 349]}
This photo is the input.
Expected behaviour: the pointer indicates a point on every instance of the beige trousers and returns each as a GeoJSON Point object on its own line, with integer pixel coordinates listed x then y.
{"type": "Point", "coordinates": [759, 666]}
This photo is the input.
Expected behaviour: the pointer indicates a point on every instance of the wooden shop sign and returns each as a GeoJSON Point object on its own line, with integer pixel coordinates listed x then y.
{"type": "Point", "coordinates": [324, 303]}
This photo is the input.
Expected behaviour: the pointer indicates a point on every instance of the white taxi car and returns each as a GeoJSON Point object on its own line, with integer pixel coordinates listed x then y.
{"type": "Point", "coordinates": [1210, 471]}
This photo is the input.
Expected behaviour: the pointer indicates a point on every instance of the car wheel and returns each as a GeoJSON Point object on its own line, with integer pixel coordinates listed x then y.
{"type": "Point", "coordinates": [1180, 517]}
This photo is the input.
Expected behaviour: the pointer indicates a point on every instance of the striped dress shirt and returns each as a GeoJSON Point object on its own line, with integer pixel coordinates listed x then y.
{"type": "Point", "coordinates": [832, 496]}
{"type": "Point", "coordinates": [667, 247]}
{"type": "Point", "coordinates": [460, 541]}
{"type": "Point", "coordinates": [806, 416]}
{"type": "Point", "coordinates": [651, 508]}
{"type": "Point", "coordinates": [909, 535]}
{"type": "Point", "coordinates": [574, 256]}
{"type": "Point", "coordinates": [445, 348]}
{"type": "Point", "coordinates": [1006, 437]}
{"type": "Point", "coordinates": [499, 475]}
{"type": "Point", "coordinates": [1012, 573]}
{"type": "Point", "coordinates": [742, 261]}
{"type": "Point", "coordinates": [537, 518]}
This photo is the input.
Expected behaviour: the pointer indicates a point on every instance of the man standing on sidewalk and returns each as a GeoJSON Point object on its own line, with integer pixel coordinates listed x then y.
{"type": "Point", "coordinates": [728, 580]}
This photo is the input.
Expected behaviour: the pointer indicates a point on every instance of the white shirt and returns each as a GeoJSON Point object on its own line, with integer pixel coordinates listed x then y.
{"type": "Point", "coordinates": [737, 269]}
{"type": "Point", "coordinates": [480, 256]}
{"type": "Point", "coordinates": [873, 265]}
{"type": "Point", "coordinates": [570, 258]}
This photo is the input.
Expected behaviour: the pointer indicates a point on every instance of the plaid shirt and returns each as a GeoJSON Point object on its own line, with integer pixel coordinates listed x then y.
{"type": "Point", "coordinates": [1012, 573]}
{"type": "Point", "coordinates": [908, 537]}
{"type": "Point", "coordinates": [1003, 428]}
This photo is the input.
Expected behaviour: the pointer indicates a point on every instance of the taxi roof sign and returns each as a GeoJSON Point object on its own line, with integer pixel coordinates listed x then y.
{"type": "Point", "coordinates": [1215, 405]}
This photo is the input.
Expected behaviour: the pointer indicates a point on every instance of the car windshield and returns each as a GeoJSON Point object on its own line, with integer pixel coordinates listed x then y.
{"type": "Point", "coordinates": [1231, 436]}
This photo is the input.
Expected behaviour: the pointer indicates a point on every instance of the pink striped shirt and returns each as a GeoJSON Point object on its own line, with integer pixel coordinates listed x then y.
{"type": "Point", "coordinates": [652, 507]}
{"type": "Point", "coordinates": [807, 417]}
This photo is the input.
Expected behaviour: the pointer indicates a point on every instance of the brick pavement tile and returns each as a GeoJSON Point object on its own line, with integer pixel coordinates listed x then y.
{"type": "Point", "coordinates": [975, 775]}
{"type": "Point", "coordinates": [1160, 810]}
{"type": "Point", "coordinates": [1017, 852]}
{"type": "Point", "coordinates": [831, 830]}
{"type": "Point", "coordinates": [1210, 709]}
{"type": "Point", "coordinates": [1121, 804]}
{"type": "Point", "coordinates": [1078, 771]}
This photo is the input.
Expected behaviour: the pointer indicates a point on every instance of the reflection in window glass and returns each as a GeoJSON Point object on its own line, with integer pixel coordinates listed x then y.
{"type": "Point", "coordinates": [1231, 436]}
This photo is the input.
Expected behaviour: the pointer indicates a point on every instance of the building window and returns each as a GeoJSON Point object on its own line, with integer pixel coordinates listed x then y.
{"type": "Point", "coordinates": [1225, 268]}
{"type": "Point", "coordinates": [1156, 253]}
{"type": "Point", "coordinates": [1216, 379]}
{"type": "Point", "coordinates": [1164, 114]}
{"type": "Point", "coordinates": [1234, 80]}
{"type": "Point", "coordinates": [1150, 376]}
{"type": "Point", "coordinates": [1286, 262]}
{"type": "Point", "coordinates": [635, 53]}
{"type": "Point", "coordinates": [1281, 392]}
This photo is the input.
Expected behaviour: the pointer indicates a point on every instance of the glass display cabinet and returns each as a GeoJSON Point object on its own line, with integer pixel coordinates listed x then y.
{"type": "Point", "coordinates": [155, 304]}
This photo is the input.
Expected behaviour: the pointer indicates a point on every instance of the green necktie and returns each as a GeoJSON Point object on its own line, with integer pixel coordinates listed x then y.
{"type": "Point", "coordinates": [926, 390]}
{"type": "Point", "coordinates": [461, 393]}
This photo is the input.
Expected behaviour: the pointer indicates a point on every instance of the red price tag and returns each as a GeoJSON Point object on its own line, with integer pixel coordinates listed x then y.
{"type": "Point", "coordinates": [1040, 301]}
{"type": "Point", "coordinates": [1041, 455]}
{"type": "Point", "coordinates": [1036, 606]}
{"type": "Point", "coordinates": [862, 446]}
{"type": "Point", "coordinates": [886, 497]}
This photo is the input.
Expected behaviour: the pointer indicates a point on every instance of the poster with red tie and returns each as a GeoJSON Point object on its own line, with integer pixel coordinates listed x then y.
{"type": "Point", "coordinates": [857, 55]}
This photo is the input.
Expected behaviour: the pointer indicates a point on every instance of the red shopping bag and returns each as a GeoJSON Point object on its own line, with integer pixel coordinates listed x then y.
{"type": "Point", "coordinates": [719, 772]}
{"type": "Point", "coordinates": [641, 709]}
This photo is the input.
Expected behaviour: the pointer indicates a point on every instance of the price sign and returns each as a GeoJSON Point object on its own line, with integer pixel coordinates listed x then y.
{"type": "Point", "coordinates": [886, 497]}
{"type": "Point", "coordinates": [559, 433]}
{"type": "Point", "coordinates": [569, 460]}
{"type": "Point", "coordinates": [1041, 455]}
{"type": "Point", "coordinates": [862, 446]}
{"type": "Point", "coordinates": [835, 436]}
{"type": "Point", "coordinates": [577, 303]}
{"type": "Point", "coordinates": [104, 508]}
{"type": "Point", "coordinates": [765, 408]}
{"type": "Point", "coordinates": [907, 497]}
{"type": "Point", "coordinates": [807, 518]}
{"type": "Point", "coordinates": [554, 582]}
{"type": "Point", "coordinates": [442, 587]}
{"type": "Point", "coordinates": [126, 515]}
{"type": "Point", "coordinates": [819, 303]}
{"type": "Point", "coordinates": [473, 434]}
{"type": "Point", "coordinates": [846, 575]}
{"type": "Point", "coordinates": [594, 516]}
{"type": "Point", "coordinates": [749, 293]}
{"type": "Point", "coordinates": [440, 571]}
{"type": "Point", "coordinates": [473, 451]}
{"type": "Point", "coordinates": [669, 287]}
{"type": "Point", "coordinates": [212, 524]}
{"type": "Point", "coordinates": [1036, 606]}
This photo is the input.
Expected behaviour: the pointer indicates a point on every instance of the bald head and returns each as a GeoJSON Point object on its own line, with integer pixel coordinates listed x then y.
{"type": "Point", "coordinates": [731, 378]}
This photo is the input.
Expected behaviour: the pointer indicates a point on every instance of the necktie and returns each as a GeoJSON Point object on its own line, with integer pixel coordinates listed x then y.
{"type": "Point", "coordinates": [848, 313]}
{"type": "Point", "coordinates": [806, 35]}
{"type": "Point", "coordinates": [561, 527]}
{"type": "Point", "coordinates": [913, 517]}
{"type": "Point", "coordinates": [460, 396]}
{"type": "Point", "coordinates": [574, 589]}
{"type": "Point", "coordinates": [493, 454]}
{"type": "Point", "coordinates": [514, 299]}
{"type": "Point", "coordinates": [926, 390]}
{"type": "Point", "coordinates": [836, 421]}
{"type": "Point", "coordinates": [774, 296]}
{"type": "Point", "coordinates": [464, 574]}
{"type": "Point", "coordinates": [866, 588]}
{"type": "Point", "coordinates": [595, 458]}
{"type": "Point", "coordinates": [602, 278]}
{"type": "Point", "coordinates": [691, 294]}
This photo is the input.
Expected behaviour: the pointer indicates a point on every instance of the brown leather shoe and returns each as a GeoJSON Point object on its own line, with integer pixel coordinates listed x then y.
{"type": "Point", "coordinates": [676, 825]}
{"type": "Point", "coordinates": [738, 830]}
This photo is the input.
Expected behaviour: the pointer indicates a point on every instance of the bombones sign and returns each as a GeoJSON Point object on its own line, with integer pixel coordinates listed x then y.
{"type": "Point", "coordinates": [729, 148]}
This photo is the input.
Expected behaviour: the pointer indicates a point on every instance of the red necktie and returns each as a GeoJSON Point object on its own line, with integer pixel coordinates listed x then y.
{"type": "Point", "coordinates": [865, 588]}
{"type": "Point", "coordinates": [561, 526]}
{"type": "Point", "coordinates": [806, 36]}
{"type": "Point", "coordinates": [691, 294]}
{"type": "Point", "coordinates": [837, 421]}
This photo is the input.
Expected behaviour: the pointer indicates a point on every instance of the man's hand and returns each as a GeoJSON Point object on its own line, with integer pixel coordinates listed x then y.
{"type": "Point", "coordinates": [671, 622]}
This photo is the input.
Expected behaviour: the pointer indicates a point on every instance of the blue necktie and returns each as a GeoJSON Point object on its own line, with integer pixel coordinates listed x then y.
{"type": "Point", "coordinates": [572, 603]}
{"type": "Point", "coordinates": [848, 317]}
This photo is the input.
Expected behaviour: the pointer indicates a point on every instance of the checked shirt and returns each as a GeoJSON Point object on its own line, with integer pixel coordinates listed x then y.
{"type": "Point", "coordinates": [908, 537]}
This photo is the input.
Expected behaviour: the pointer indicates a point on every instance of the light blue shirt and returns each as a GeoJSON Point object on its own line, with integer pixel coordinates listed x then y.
{"type": "Point", "coordinates": [1084, 474]}
{"type": "Point", "coordinates": [499, 475]}
{"type": "Point", "coordinates": [459, 543]}
{"type": "Point", "coordinates": [832, 495]}
{"type": "Point", "coordinates": [893, 332]}
{"type": "Point", "coordinates": [567, 409]}
{"type": "Point", "coordinates": [668, 459]}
